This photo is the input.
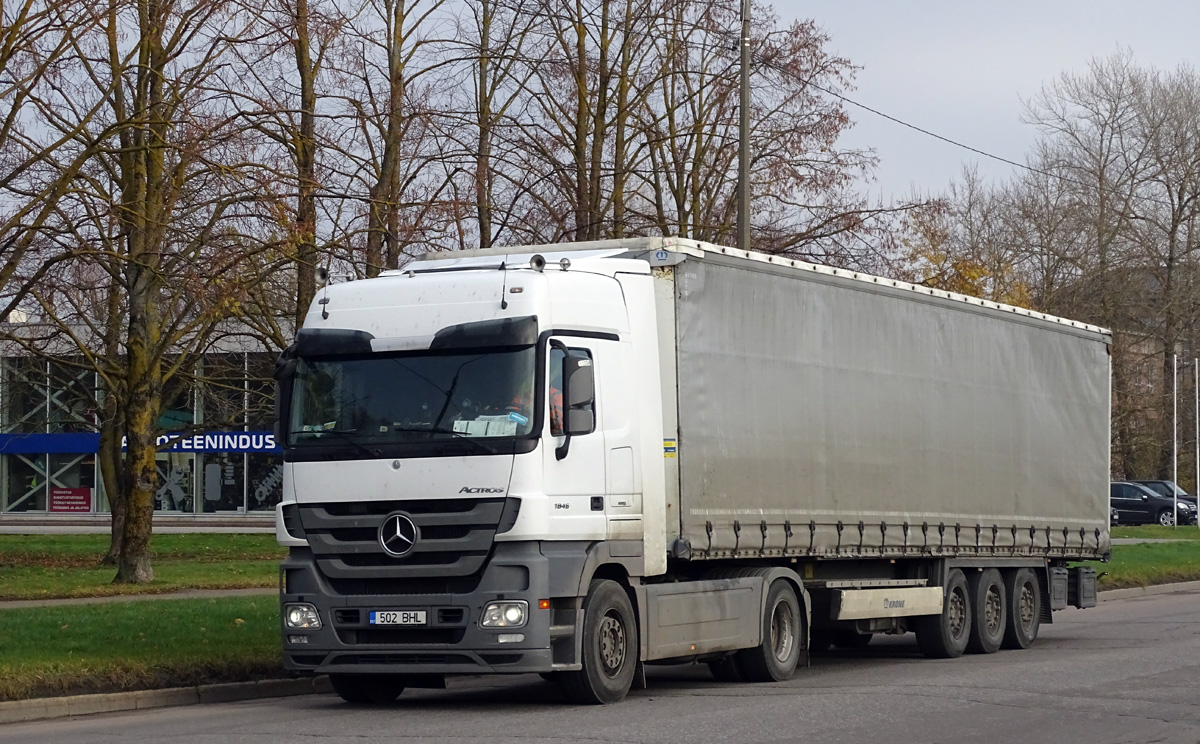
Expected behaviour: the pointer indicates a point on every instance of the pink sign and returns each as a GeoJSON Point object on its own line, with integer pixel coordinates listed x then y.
{"type": "Point", "coordinates": [70, 499]}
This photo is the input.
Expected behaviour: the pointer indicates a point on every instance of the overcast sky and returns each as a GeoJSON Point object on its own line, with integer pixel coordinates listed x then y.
{"type": "Point", "coordinates": [962, 68]}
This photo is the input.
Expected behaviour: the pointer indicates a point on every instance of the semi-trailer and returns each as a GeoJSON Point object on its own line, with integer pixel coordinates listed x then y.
{"type": "Point", "coordinates": [580, 459]}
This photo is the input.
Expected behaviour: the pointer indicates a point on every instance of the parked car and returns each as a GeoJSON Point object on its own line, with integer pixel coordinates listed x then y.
{"type": "Point", "coordinates": [1166, 488]}
{"type": "Point", "coordinates": [1138, 504]}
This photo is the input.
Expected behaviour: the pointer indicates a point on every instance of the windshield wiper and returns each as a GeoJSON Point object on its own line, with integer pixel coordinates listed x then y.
{"type": "Point", "coordinates": [345, 437]}
{"type": "Point", "coordinates": [459, 436]}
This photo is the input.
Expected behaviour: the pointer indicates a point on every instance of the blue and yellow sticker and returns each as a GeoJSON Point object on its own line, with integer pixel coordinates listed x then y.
{"type": "Point", "coordinates": [669, 448]}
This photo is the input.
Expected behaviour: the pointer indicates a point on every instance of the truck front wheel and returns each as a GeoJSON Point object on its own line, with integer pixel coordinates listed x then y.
{"type": "Point", "coordinates": [775, 659]}
{"type": "Point", "coordinates": [945, 636]}
{"type": "Point", "coordinates": [610, 647]}
{"type": "Point", "coordinates": [377, 689]}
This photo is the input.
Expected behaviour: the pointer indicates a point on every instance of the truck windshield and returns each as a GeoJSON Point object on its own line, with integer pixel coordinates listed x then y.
{"type": "Point", "coordinates": [413, 397]}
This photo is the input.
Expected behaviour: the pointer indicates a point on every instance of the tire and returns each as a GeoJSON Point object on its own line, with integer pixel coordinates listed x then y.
{"type": "Point", "coordinates": [610, 648]}
{"type": "Point", "coordinates": [945, 636]}
{"type": "Point", "coordinates": [1166, 518]}
{"type": "Point", "coordinates": [852, 639]}
{"type": "Point", "coordinates": [726, 670]}
{"type": "Point", "coordinates": [1024, 608]}
{"type": "Point", "coordinates": [371, 689]}
{"type": "Point", "coordinates": [776, 658]}
{"type": "Point", "coordinates": [989, 611]}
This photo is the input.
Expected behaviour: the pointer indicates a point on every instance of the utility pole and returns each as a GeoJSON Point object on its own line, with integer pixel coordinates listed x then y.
{"type": "Point", "coordinates": [743, 221]}
{"type": "Point", "coordinates": [1175, 436]}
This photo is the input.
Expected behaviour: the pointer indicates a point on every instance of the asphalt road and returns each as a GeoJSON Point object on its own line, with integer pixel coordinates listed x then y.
{"type": "Point", "coordinates": [1125, 672]}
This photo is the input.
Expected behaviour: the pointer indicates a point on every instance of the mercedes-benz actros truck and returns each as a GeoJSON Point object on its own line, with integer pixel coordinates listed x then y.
{"type": "Point", "coordinates": [580, 459]}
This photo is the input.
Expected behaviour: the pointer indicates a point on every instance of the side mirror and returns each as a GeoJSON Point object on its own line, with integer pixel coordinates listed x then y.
{"type": "Point", "coordinates": [1145, 497]}
{"type": "Point", "coordinates": [579, 392]}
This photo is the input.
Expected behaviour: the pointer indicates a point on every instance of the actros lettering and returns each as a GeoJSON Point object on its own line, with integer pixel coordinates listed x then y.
{"type": "Point", "coordinates": [470, 489]}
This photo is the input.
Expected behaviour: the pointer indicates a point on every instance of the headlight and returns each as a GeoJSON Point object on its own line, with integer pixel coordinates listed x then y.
{"type": "Point", "coordinates": [301, 616]}
{"type": "Point", "coordinates": [504, 614]}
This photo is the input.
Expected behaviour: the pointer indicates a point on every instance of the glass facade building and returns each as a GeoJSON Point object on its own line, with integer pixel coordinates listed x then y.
{"type": "Point", "coordinates": [217, 455]}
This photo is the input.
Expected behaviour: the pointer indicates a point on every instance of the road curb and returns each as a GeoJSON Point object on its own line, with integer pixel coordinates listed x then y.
{"type": "Point", "coordinates": [36, 709]}
{"type": "Point", "coordinates": [1146, 591]}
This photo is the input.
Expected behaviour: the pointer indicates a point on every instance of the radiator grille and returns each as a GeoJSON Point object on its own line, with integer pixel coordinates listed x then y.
{"type": "Point", "coordinates": [456, 536]}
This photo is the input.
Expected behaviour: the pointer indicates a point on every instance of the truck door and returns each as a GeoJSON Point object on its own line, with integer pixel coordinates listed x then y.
{"type": "Point", "coordinates": [575, 482]}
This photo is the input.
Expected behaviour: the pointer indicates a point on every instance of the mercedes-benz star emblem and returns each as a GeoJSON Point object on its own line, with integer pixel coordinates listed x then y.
{"type": "Point", "coordinates": [398, 535]}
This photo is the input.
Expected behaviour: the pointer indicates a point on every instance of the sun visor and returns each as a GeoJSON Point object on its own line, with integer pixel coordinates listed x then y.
{"type": "Point", "coordinates": [499, 332]}
{"type": "Point", "coordinates": [312, 342]}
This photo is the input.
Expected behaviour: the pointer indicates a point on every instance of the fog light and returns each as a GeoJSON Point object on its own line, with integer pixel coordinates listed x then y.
{"type": "Point", "coordinates": [504, 614]}
{"type": "Point", "coordinates": [297, 639]}
{"type": "Point", "coordinates": [301, 616]}
{"type": "Point", "coordinates": [510, 637]}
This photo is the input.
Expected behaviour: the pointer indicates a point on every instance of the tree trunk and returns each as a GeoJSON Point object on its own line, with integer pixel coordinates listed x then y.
{"type": "Point", "coordinates": [109, 457]}
{"type": "Point", "coordinates": [306, 160]}
{"type": "Point", "coordinates": [141, 419]}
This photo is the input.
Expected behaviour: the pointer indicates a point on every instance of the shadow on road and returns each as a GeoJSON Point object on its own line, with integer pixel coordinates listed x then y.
{"type": "Point", "coordinates": [511, 694]}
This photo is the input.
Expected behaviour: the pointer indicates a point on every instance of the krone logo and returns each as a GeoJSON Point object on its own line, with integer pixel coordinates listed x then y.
{"type": "Point", "coordinates": [398, 535]}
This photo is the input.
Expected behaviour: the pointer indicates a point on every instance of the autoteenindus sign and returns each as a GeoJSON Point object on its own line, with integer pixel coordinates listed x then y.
{"type": "Point", "coordinates": [218, 441]}
{"type": "Point", "coordinates": [89, 443]}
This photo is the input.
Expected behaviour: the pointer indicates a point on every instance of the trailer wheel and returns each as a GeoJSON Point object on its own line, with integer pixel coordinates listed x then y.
{"type": "Point", "coordinates": [610, 647]}
{"type": "Point", "coordinates": [374, 689]}
{"type": "Point", "coordinates": [945, 636]}
{"type": "Point", "coordinates": [1024, 608]}
{"type": "Point", "coordinates": [989, 608]}
{"type": "Point", "coordinates": [775, 659]}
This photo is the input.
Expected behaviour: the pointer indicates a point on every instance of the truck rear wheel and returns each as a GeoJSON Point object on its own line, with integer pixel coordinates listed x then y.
{"type": "Point", "coordinates": [945, 636]}
{"type": "Point", "coordinates": [1024, 608]}
{"type": "Point", "coordinates": [376, 689]}
{"type": "Point", "coordinates": [775, 659]}
{"type": "Point", "coordinates": [989, 609]}
{"type": "Point", "coordinates": [610, 647]}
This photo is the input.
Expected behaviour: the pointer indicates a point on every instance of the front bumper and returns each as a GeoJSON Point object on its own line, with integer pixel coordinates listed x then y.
{"type": "Point", "coordinates": [451, 641]}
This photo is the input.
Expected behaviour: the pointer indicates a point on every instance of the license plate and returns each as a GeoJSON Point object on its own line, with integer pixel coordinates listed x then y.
{"type": "Point", "coordinates": [398, 617]}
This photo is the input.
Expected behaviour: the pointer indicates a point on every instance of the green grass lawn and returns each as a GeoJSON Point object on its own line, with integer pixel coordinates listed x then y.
{"type": "Point", "coordinates": [58, 566]}
{"type": "Point", "coordinates": [1145, 564]}
{"type": "Point", "coordinates": [57, 582]}
{"type": "Point", "coordinates": [85, 550]}
{"type": "Point", "coordinates": [137, 645]}
{"type": "Point", "coordinates": [1158, 532]}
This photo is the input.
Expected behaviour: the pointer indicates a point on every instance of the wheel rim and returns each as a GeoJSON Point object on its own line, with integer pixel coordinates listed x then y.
{"type": "Point", "coordinates": [1026, 606]}
{"type": "Point", "coordinates": [782, 633]}
{"type": "Point", "coordinates": [1166, 519]}
{"type": "Point", "coordinates": [993, 610]}
{"type": "Point", "coordinates": [612, 643]}
{"type": "Point", "coordinates": [958, 613]}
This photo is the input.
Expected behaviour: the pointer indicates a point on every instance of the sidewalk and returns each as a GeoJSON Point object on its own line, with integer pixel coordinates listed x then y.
{"type": "Point", "coordinates": [164, 524]}
{"type": "Point", "coordinates": [21, 604]}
